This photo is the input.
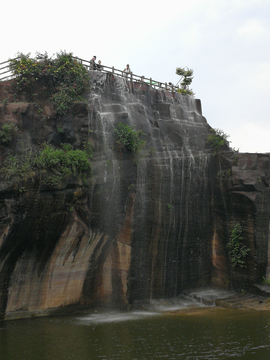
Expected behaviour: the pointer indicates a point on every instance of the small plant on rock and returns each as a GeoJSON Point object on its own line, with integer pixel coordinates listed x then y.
{"type": "Point", "coordinates": [265, 281]}
{"type": "Point", "coordinates": [237, 249]}
{"type": "Point", "coordinates": [7, 132]}
{"type": "Point", "coordinates": [16, 166]}
{"type": "Point", "coordinates": [169, 206]}
{"type": "Point", "coordinates": [216, 139]}
{"type": "Point", "coordinates": [127, 139]}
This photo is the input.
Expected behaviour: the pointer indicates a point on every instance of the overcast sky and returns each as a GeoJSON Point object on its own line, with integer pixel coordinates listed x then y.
{"type": "Point", "coordinates": [225, 42]}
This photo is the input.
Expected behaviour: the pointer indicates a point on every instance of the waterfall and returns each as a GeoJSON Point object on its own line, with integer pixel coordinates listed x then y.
{"type": "Point", "coordinates": [170, 185]}
{"type": "Point", "coordinates": [143, 226]}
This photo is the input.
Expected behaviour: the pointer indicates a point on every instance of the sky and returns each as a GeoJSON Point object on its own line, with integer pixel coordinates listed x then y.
{"type": "Point", "coordinates": [225, 42]}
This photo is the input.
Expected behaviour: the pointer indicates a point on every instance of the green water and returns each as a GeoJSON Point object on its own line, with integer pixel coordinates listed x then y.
{"type": "Point", "coordinates": [207, 334]}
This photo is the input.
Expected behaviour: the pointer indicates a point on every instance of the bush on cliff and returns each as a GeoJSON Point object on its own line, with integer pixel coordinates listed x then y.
{"type": "Point", "coordinates": [62, 163]}
{"type": "Point", "coordinates": [62, 79]}
{"type": "Point", "coordinates": [57, 164]}
{"type": "Point", "coordinates": [127, 139]}
{"type": "Point", "coordinates": [8, 132]}
{"type": "Point", "coordinates": [216, 139]}
{"type": "Point", "coordinates": [238, 250]}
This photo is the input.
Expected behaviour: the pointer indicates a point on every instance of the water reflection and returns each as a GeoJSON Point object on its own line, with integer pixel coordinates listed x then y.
{"type": "Point", "coordinates": [114, 317]}
{"type": "Point", "coordinates": [205, 333]}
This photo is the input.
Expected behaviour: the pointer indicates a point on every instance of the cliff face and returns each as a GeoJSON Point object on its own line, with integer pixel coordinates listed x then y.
{"type": "Point", "coordinates": [149, 225]}
{"type": "Point", "coordinates": [242, 195]}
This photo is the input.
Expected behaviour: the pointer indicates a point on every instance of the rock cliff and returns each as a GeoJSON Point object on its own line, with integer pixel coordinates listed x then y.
{"type": "Point", "coordinates": [148, 225]}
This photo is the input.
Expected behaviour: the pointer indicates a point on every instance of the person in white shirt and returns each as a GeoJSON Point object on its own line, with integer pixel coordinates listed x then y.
{"type": "Point", "coordinates": [127, 70]}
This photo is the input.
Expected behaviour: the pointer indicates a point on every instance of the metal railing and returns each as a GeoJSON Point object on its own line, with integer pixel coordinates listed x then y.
{"type": "Point", "coordinates": [7, 74]}
{"type": "Point", "coordinates": [131, 76]}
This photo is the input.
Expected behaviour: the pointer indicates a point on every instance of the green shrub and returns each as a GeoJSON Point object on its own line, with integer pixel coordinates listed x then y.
{"type": "Point", "coordinates": [62, 163]}
{"type": "Point", "coordinates": [216, 139]}
{"type": "Point", "coordinates": [7, 132]}
{"type": "Point", "coordinates": [62, 100]}
{"type": "Point", "coordinates": [88, 148]}
{"type": "Point", "coordinates": [18, 166]}
{"type": "Point", "coordinates": [127, 139]}
{"type": "Point", "coordinates": [59, 164]}
{"type": "Point", "coordinates": [63, 79]}
{"type": "Point", "coordinates": [238, 250]}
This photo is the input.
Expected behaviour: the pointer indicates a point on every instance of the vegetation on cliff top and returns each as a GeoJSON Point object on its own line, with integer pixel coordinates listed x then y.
{"type": "Point", "coordinates": [216, 139]}
{"type": "Point", "coordinates": [61, 79]}
{"type": "Point", "coordinates": [185, 81]}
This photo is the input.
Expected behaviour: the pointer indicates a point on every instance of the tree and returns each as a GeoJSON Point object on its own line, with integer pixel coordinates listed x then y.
{"type": "Point", "coordinates": [186, 79]}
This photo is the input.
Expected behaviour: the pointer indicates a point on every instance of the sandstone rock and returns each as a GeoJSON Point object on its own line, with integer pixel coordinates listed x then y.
{"type": "Point", "coordinates": [149, 225]}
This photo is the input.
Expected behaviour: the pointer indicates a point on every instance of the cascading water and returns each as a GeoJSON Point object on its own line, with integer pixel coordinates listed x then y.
{"type": "Point", "coordinates": [167, 184]}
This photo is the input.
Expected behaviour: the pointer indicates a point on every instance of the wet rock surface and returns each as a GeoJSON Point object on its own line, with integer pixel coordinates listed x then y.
{"type": "Point", "coordinates": [230, 299]}
{"type": "Point", "coordinates": [147, 226]}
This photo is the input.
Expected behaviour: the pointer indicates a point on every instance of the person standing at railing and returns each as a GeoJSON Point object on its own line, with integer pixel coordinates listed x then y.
{"type": "Point", "coordinates": [93, 64]}
{"type": "Point", "coordinates": [127, 70]}
{"type": "Point", "coordinates": [99, 66]}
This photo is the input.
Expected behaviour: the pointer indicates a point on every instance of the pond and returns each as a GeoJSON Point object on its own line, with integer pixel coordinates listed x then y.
{"type": "Point", "coordinates": [204, 333]}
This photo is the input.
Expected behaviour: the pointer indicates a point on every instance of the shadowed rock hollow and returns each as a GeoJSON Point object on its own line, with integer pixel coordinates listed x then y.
{"type": "Point", "coordinates": [149, 225]}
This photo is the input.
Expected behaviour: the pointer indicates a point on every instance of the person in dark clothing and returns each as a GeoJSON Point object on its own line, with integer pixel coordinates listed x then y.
{"type": "Point", "coordinates": [99, 66]}
{"type": "Point", "coordinates": [93, 65]}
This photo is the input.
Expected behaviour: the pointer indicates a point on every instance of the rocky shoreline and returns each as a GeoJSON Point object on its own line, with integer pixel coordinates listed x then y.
{"type": "Point", "coordinates": [232, 299]}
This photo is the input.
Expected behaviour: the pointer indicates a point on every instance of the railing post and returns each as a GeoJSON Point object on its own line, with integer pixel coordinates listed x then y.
{"type": "Point", "coordinates": [131, 76]}
{"type": "Point", "coordinates": [166, 86]}
{"type": "Point", "coordinates": [151, 82]}
{"type": "Point", "coordinates": [112, 69]}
